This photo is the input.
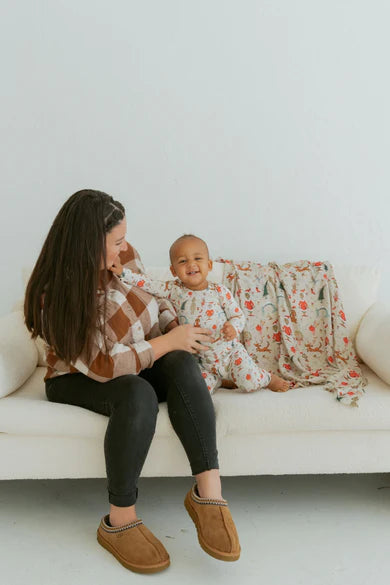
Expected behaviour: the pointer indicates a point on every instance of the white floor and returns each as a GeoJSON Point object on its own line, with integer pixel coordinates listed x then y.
{"type": "Point", "coordinates": [294, 530]}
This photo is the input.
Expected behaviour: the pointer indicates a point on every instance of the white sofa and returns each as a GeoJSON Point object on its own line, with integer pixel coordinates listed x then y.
{"type": "Point", "coordinates": [302, 431]}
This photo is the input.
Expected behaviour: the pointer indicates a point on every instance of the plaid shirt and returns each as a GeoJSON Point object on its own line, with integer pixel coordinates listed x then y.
{"type": "Point", "coordinates": [133, 317]}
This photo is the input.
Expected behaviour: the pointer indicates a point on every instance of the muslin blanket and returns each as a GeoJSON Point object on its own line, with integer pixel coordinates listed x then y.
{"type": "Point", "coordinates": [296, 325]}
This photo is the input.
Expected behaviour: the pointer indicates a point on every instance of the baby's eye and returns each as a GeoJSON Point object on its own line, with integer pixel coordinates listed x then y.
{"type": "Point", "coordinates": [181, 261]}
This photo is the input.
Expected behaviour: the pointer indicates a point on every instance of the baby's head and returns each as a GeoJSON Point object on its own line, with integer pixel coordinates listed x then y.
{"type": "Point", "coordinates": [190, 261]}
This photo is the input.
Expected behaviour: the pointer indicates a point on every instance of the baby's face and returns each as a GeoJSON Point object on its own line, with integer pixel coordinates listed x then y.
{"type": "Point", "coordinates": [191, 263]}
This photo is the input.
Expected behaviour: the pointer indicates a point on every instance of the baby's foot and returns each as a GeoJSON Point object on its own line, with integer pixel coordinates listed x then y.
{"type": "Point", "coordinates": [277, 384]}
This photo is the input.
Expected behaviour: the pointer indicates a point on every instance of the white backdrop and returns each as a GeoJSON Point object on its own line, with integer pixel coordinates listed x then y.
{"type": "Point", "coordinates": [263, 126]}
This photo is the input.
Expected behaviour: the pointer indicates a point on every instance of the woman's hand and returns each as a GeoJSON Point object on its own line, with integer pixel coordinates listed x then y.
{"type": "Point", "coordinates": [189, 338]}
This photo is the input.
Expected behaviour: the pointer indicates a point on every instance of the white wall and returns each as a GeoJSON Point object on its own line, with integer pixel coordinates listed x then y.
{"type": "Point", "coordinates": [263, 126]}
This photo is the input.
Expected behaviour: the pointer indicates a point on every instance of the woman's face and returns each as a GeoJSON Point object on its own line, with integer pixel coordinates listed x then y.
{"type": "Point", "coordinates": [115, 243]}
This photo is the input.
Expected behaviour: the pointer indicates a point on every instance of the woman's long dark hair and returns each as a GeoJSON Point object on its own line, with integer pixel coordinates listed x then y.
{"type": "Point", "coordinates": [67, 274]}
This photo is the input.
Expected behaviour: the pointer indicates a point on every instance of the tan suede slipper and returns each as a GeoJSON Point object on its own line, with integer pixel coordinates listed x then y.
{"type": "Point", "coordinates": [134, 545]}
{"type": "Point", "coordinates": [217, 533]}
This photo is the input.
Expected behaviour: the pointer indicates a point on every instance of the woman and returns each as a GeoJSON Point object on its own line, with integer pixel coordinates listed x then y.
{"type": "Point", "coordinates": [119, 353]}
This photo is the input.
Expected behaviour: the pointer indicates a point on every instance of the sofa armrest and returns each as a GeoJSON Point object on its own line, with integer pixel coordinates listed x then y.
{"type": "Point", "coordinates": [373, 340]}
{"type": "Point", "coordinates": [18, 353]}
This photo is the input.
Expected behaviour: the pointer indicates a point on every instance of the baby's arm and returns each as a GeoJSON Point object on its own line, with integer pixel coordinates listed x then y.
{"type": "Point", "coordinates": [158, 288]}
{"type": "Point", "coordinates": [235, 316]}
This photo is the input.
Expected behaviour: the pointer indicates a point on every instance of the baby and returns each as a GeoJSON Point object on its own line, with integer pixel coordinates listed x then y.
{"type": "Point", "coordinates": [212, 306]}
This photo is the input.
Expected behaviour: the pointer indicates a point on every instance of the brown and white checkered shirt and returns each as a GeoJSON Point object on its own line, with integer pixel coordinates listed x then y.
{"type": "Point", "coordinates": [133, 317]}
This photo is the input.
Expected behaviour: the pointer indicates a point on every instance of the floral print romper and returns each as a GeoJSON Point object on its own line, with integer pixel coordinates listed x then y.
{"type": "Point", "coordinates": [210, 309]}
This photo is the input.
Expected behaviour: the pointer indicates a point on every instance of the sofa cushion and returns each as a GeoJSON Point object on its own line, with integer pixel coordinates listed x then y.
{"type": "Point", "coordinates": [302, 410]}
{"type": "Point", "coordinates": [373, 340]}
{"type": "Point", "coordinates": [18, 353]}
{"type": "Point", "coordinates": [27, 412]}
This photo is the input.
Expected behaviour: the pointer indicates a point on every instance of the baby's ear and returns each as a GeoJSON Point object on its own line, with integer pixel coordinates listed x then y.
{"type": "Point", "coordinates": [210, 264]}
{"type": "Point", "coordinates": [173, 271]}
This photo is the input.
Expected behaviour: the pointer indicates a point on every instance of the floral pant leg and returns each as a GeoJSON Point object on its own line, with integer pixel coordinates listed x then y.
{"type": "Point", "coordinates": [245, 372]}
{"type": "Point", "coordinates": [213, 382]}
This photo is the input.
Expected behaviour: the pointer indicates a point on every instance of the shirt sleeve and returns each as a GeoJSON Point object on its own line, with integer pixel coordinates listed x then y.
{"type": "Point", "coordinates": [232, 310]}
{"type": "Point", "coordinates": [111, 359]}
{"type": "Point", "coordinates": [108, 359]}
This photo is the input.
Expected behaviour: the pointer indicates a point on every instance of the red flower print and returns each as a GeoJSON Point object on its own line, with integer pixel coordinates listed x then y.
{"type": "Point", "coordinates": [287, 366]}
{"type": "Point", "coordinates": [214, 326]}
{"type": "Point", "coordinates": [293, 349]}
{"type": "Point", "coordinates": [344, 383]}
{"type": "Point", "coordinates": [312, 328]}
{"type": "Point", "coordinates": [210, 312]}
{"type": "Point", "coordinates": [330, 359]}
{"type": "Point", "coordinates": [219, 289]}
{"type": "Point", "coordinates": [345, 339]}
{"type": "Point", "coordinates": [350, 393]}
{"type": "Point", "coordinates": [277, 336]}
{"type": "Point", "coordinates": [248, 376]}
{"type": "Point", "coordinates": [204, 374]}
{"type": "Point", "coordinates": [353, 374]}
{"type": "Point", "coordinates": [303, 305]}
{"type": "Point", "coordinates": [326, 341]}
{"type": "Point", "coordinates": [140, 283]}
{"type": "Point", "coordinates": [236, 310]}
{"type": "Point", "coordinates": [258, 327]}
{"type": "Point", "coordinates": [342, 315]}
{"type": "Point", "coordinates": [228, 296]}
{"type": "Point", "coordinates": [189, 293]}
{"type": "Point", "coordinates": [249, 305]}
{"type": "Point", "coordinates": [287, 330]}
{"type": "Point", "coordinates": [238, 361]}
{"type": "Point", "coordinates": [317, 263]}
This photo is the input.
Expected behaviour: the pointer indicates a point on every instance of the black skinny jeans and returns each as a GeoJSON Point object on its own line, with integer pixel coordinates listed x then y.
{"type": "Point", "coordinates": [131, 402]}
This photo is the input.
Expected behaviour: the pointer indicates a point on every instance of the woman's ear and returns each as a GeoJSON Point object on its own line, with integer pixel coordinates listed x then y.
{"type": "Point", "coordinates": [173, 271]}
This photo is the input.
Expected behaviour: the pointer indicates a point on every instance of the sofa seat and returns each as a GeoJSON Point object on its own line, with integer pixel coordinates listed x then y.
{"type": "Point", "coordinates": [28, 412]}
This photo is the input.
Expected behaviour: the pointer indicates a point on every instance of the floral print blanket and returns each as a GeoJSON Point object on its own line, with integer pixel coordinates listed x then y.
{"type": "Point", "coordinates": [296, 325]}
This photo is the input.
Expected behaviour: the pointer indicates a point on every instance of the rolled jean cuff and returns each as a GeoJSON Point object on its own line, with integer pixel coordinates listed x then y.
{"type": "Point", "coordinates": [200, 466]}
{"type": "Point", "coordinates": [123, 501]}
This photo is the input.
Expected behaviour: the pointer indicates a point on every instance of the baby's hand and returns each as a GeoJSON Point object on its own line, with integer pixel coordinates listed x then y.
{"type": "Point", "coordinates": [228, 331]}
{"type": "Point", "coordinates": [116, 268]}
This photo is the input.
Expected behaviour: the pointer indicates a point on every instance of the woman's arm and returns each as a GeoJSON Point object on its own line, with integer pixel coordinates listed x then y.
{"type": "Point", "coordinates": [110, 359]}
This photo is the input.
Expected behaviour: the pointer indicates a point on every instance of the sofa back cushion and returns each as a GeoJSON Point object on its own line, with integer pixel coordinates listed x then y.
{"type": "Point", "coordinates": [358, 289]}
